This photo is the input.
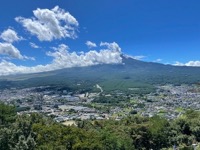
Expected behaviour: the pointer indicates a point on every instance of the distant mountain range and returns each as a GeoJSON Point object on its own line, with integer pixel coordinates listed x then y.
{"type": "Point", "coordinates": [130, 75]}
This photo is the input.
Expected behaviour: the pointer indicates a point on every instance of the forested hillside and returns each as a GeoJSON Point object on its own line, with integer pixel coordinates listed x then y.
{"type": "Point", "coordinates": [36, 132]}
{"type": "Point", "coordinates": [130, 74]}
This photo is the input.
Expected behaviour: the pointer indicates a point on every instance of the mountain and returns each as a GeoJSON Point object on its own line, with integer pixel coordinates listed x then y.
{"type": "Point", "coordinates": [131, 75]}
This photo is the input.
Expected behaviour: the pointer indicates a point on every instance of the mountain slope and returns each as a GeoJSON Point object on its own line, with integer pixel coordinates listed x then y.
{"type": "Point", "coordinates": [131, 74]}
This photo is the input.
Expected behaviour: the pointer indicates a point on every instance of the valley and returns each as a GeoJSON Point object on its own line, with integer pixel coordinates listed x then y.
{"type": "Point", "coordinates": [112, 91]}
{"type": "Point", "coordinates": [167, 101]}
{"type": "Point", "coordinates": [140, 104]}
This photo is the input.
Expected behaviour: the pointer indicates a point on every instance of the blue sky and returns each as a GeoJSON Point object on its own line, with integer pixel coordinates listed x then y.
{"type": "Point", "coordinates": [164, 31]}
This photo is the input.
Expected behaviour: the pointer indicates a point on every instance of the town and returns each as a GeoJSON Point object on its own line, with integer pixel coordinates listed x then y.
{"type": "Point", "coordinates": [64, 106]}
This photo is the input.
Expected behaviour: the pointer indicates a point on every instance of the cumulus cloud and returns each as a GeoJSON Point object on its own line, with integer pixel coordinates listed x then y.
{"type": "Point", "coordinates": [190, 63]}
{"type": "Point", "coordinates": [33, 45]}
{"type": "Point", "coordinates": [112, 46]}
{"type": "Point", "coordinates": [62, 58]}
{"type": "Point", "coordinates": [8, 68]}
{"type": "Point", "coordinates": [7, 49]}
{"type": "Point", "coordinates": [10, 36]}
{"type": "Point", "coordinates": [49, 24]}
{"type": "Point", "coordinates": [90, 44]}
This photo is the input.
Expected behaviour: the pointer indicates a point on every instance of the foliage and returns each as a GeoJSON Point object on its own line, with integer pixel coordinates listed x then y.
{"type": "Point", "coordinates": [7, 114]}
{"type": "Point", "coordinates": [37, 132]}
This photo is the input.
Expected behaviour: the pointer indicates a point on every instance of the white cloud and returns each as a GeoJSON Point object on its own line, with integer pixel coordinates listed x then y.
{"type": "Point", "coordinates": [9, 50]}
{"type": "Point", "coordinates": [158, 60]}
{"type": "Point", "coordinates": [90, 44]}
{"type": "Point", "coordinates": [10, 36]}
{"type": "Point", "coordinates": [140, 57]}
{"type": "Point", "coordinates": [28, 58]}
{"type": "Point", "coordinates": [33, 45]}
{"type": "Point", "coordinates": [10, 68]}
{"type": "Point", "coordinates": [112, 46]}
{"type": "Point", "coordinates": [62, 58]}
{"type": "Point", "coordinates": [190, 63]}
{"type": "Point", "coordinates": [179, 64]}
{"type": "Point", "coordinates": [50, 24]}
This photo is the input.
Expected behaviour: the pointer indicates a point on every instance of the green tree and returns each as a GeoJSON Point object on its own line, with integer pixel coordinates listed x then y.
{"type": "Point", "coordinates": [7, 114]}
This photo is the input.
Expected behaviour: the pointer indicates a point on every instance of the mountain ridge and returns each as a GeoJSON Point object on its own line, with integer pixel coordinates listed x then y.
{"type": "Point", "coordinates": [131, 73]}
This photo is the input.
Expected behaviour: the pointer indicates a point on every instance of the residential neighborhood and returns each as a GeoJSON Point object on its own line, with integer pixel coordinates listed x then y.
{"type": "Point", "coordinates": [167, 101]}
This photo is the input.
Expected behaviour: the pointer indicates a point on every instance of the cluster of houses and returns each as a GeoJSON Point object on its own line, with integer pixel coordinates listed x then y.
{"type": "Point", "coordinates": [168, 101]}
{"type": "Point", "coordinates": [171, 101]}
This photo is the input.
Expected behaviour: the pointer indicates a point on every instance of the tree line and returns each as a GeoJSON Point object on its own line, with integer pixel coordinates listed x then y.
{"type": "Point", "coordinates": [38, 132]}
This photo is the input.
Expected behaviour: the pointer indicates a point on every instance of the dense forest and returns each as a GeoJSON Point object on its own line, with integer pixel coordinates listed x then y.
{"type": "Point", "coordinates": [38, 132]}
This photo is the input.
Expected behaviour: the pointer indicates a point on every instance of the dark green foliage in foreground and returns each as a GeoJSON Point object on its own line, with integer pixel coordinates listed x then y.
{"type": "Point", "coordinates": [7, 114]}
{"type": "Point", "coordinates": [36, 132]}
